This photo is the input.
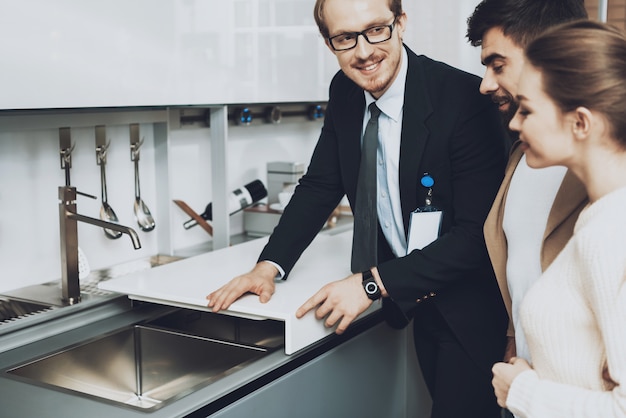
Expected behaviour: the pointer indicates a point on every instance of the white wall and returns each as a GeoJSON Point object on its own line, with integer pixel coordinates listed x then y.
{"type": "Point", "coordinates": [249, 150]}
{"type": "Point", "coordinates": [30, 171]}
{"type": "Point", "coordinates": [437, 29]}
{"type": "Point", "coordinates": [30, 174]}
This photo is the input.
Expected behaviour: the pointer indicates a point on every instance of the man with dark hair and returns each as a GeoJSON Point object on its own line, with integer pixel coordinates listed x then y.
{"type": "Point", "coordinates": [503, 28]}
{"type": "Point", "coordinates": [534, 213]}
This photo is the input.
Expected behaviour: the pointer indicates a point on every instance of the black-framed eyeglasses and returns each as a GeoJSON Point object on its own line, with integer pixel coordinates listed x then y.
{"type": "Point", "coordinates": [373, 35]}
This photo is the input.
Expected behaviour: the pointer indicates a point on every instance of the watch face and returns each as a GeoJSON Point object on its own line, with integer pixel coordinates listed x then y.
{"type": "Point", "coordinates": [371, 288]}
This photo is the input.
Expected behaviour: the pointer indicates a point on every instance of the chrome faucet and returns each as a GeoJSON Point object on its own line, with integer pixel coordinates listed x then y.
{"type": "Point", "coordinates": [68, 220]}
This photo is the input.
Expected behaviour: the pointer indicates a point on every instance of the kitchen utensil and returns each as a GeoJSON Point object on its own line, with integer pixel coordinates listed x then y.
{"type": "Point", "coordinates": [142, 213]}
{"type": "Point", "coordinates": [238, 200]}
{"type": "Point", "coordinates": [106, 211]}
{"type": "Point", "coordinates": [199, 219]}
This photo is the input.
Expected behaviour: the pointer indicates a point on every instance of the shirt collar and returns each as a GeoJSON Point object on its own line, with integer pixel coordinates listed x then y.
{"type": "Point", "coordinates": [392, 101]}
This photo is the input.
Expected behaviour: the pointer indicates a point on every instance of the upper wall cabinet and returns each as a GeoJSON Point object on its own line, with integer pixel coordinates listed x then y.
{"type": "Point", "coordinates": [76, 53]}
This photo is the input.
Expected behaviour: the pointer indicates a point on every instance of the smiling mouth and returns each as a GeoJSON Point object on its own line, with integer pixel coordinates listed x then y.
{"type": "Point", "coordinates": [501, 101]}
{"type": "Point", "coordinates": [369, 68]}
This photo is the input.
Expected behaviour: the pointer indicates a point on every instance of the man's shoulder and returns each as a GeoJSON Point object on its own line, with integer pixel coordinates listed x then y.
{"type": "Point", "coordinates": [343, 89]}
{"type": "Point", "coordinates": [437, 72]}
{"type": "Point", "coordinates": [433, 67]}
{"type": "Point", "coordinates": [341, 81]}
{"type": "Point", "coordinates": [447, 87]}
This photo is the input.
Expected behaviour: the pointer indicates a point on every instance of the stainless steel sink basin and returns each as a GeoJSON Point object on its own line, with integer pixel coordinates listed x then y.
{"type": "Point", "coordinates": [147, 366]}
{"type": "Point", "coordinates": [12, 309]}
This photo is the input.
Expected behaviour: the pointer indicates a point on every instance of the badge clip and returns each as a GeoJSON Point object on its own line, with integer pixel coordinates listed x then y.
{"type": "Point", "coordinates": [425, 221]}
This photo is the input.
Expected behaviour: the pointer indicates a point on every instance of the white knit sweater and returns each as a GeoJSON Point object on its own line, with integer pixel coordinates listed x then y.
{"type": "Point", "coordinates": [574, 318]}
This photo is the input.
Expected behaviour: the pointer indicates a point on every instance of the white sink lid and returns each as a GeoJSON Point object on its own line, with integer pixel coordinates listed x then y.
{"type": "Point", "coordinates": [186, 283]}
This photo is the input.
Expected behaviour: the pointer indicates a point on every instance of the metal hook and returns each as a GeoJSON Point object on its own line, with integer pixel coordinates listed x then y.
{"type": "Point", "coordinates": [102, 145]}
{"type": "Point", "coordinates": [66, 156]}
{"type": "Point", "coordinates": [135, 142]}
{"type": "Point", "coordinates": [66, 147]}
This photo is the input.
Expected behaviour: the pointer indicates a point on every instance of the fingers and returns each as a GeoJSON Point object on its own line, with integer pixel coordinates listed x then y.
{"type": "Point", "coordinates": [311, 303]}
{"type": "Point", "coordinates": [497, 385]}
{"type": "Point", "coordinates": [265, 295]}
{"type": "Point", "coordinates": [329, 307]}
{"type": "Point", "coordinates": [346, 320]}
{"type": "Point", "coordinates": [223, 297]}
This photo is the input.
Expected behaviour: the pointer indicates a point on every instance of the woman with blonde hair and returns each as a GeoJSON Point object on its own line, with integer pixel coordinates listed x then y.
{"type": "Point", "coordinates": [572, 112]}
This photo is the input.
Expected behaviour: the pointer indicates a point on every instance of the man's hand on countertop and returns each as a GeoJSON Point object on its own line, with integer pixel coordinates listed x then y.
{"type": "Point", "coordinates": [260, 281]}
{"type": "Point", "coordinates": [341, 300]}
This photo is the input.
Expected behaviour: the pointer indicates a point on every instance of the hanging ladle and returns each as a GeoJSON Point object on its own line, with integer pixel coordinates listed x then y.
{"type": "Point", "coordinates": [106, 211]}
{"type": "Point", "coordinates": [142, 213]}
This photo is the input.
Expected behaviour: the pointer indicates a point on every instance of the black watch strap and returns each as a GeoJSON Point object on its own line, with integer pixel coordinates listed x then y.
{"type": "Point", "coordinates": [370, 286]}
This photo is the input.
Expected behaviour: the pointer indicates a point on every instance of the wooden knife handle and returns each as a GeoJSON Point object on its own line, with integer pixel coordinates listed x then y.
{"type": "Point", "coordinates": [204, 224]}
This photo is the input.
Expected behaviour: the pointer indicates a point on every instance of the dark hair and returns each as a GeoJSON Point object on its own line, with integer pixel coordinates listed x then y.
{"type": "Point", "coordinates": [521, 20]}
{"type": "Point", "coordinates": [583, 63]}
{"type": "Point", "coordinates": [318, 13]}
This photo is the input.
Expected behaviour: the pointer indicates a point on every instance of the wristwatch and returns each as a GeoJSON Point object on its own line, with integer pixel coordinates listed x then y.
{"type": "Point", "coordinates": [371, 287]}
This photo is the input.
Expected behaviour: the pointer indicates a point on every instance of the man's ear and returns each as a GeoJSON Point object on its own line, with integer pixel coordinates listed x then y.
{"type": "Point", "coordinates": [582, 122]}
{"type": "Point", "coordinates": [327, 42]}
{"type": "Point", "coordinates": [401, 24]}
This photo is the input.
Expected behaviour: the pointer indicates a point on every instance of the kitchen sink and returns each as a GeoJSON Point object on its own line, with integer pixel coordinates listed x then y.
{"type": "Point", "coordinates": [13, 310]}
{"type": "Point", "coordinates": [146, 366]}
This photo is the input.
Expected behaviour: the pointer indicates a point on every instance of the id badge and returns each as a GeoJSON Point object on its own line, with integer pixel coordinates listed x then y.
{"type": "Point", "coordinates": [424, 227]}
{"type": "Point", "coordinates": [425, 221]}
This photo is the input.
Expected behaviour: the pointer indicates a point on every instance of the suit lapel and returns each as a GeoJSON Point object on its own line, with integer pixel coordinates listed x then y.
{"type": "Point", "coordinates": [415, 135]}
{"type": "Point", "coordinates": [495, 218]}
{"type": "Point", "coordinates": [349, 123]}
{"type": "Point", "coordinates": [494, 233]}
{"type": "Point", "coordinates": [565, 203]}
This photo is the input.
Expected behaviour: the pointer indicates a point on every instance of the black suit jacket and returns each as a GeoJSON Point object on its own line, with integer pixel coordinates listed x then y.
{"type": "Point", "coordinates": [450, 131]}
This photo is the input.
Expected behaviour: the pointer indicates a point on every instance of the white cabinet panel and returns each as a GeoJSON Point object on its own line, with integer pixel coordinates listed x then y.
{"type": "Point", "coordinates": [72, 53]}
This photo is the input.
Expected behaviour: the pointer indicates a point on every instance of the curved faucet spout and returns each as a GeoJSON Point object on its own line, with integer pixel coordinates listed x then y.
{"type": "Point", "coordinates": [109, 225]}
{"type": "Point", "coordinates": [68, 223]}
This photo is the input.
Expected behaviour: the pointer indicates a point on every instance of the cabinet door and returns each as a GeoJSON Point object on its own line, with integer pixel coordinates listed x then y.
{"type": "Point", "coordinates": [72, 53]}
{"type": "Point", "coordinates": [369, 376]}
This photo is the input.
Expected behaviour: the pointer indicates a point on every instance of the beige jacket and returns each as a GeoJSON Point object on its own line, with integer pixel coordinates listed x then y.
{"type": "Point", "coordinates": [569, 201]}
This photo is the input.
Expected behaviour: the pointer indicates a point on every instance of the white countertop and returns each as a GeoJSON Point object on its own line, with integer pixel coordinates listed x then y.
{"type": "Point", "coordinates": [187, 282]}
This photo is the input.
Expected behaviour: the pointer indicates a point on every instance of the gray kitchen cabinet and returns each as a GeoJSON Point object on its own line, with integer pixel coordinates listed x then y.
{"type": "Point", "coordinates": [373, 375]}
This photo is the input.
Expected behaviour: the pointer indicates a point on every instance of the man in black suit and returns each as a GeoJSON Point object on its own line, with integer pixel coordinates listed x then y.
{"type": "Point", "coordinates": [434, 127]}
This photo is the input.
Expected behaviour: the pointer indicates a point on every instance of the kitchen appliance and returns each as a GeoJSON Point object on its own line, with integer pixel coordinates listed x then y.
{"type": "Point", "coordinates": [282, 176]}
{"type": "Point", "coordinates": [238, 199]}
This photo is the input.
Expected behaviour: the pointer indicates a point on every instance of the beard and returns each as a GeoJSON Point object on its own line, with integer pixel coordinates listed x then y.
{"type": "Point", "coordinates": [386, 74]}
{"type": "Point", "coordinates": [506, 118]}
{"type": "Point", "coordinates": [375, 86]}
{"type": "Point", "coordinates": [507, 115]}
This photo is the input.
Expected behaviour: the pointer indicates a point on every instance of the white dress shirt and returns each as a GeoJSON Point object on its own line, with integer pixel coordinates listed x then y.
{"type": "Point", "coordinates": [388, 155]}
{"type": "Point", "coordinates": [389, 134]}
